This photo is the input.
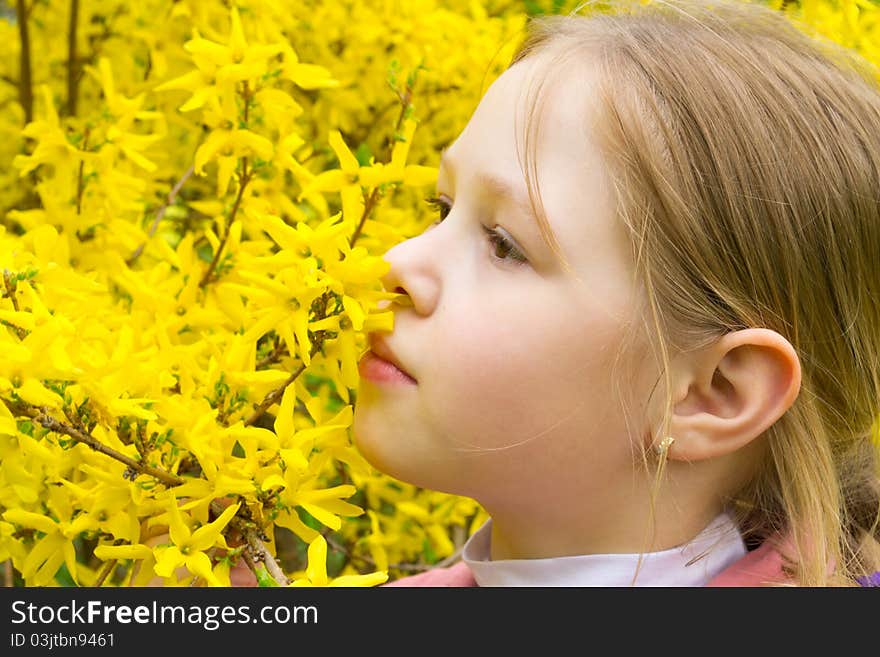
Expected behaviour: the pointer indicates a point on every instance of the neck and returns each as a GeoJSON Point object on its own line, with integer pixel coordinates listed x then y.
{"type": "Point", "coordinates": [538, 533]}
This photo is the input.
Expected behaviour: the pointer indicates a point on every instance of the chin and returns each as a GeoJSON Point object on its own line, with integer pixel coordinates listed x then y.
{"type": "Point", "coordinates": [374, 445]}
{"type": "Point", "coordinates": [394, 459]}
{"type": "Point", "coordinates": [386, 459]}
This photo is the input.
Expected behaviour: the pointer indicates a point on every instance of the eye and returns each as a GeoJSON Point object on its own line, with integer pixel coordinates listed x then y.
{"type": "Point", "coordinates": [440, 206]}
{"type": "Point", "coordinates": [503, 247]}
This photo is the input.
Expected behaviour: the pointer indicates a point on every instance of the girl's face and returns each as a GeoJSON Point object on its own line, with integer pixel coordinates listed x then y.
{"type": "Point", "coordinates": [514, 402]}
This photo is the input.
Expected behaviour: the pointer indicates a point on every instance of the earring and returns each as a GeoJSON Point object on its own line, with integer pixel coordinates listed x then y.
{"type": "Point", "coordinates": [663, 446]}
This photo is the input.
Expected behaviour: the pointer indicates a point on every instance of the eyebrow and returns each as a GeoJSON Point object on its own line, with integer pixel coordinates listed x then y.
{"type": "Point", "coordinates": [498, 188]}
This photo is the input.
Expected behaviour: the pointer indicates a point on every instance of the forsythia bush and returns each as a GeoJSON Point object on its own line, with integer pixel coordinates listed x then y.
{"type": "Point", "coordinates": [196, 199]}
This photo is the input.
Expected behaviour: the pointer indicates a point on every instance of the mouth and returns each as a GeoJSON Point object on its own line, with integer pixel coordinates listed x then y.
{"type": "Point", "coordinates": [381, 363]}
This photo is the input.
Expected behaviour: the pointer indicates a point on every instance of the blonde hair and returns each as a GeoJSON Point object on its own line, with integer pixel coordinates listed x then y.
{"type": "Point", "coordinates": [744, 155]}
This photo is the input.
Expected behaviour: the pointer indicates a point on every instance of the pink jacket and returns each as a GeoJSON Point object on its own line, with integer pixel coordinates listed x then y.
{"type": "Point", "coordinates": [759, 567]}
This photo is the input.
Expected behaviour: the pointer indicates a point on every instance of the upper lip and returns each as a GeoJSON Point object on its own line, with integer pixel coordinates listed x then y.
{"type": "Point", "coordinates": [381, 349]}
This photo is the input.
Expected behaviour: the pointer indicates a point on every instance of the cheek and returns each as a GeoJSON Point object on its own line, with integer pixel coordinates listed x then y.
{"type": "Point", "coordinates": [510, 380]}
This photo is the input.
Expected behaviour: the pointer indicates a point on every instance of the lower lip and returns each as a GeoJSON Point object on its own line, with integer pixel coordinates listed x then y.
{"type": "Point", "coordinates": [375, 369]}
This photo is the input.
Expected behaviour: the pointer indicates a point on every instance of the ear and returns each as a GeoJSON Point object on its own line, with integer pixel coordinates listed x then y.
{"type": "Point", "coordinates": [731, 392]}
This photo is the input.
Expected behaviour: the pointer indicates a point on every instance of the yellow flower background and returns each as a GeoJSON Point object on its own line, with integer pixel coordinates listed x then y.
{"type": "Point", "coordinates": [196, 197]}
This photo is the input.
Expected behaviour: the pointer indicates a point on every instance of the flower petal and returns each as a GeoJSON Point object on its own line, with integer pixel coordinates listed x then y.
{"type": "Point", "coordinates": [180, 533]}
{"type": "Point", "coordinates": [167, 559]}
{"type": "Point", "coordinates": [317, 568]}
{"type": "Point", "coordinates": [206, 536]}
{"type": "Point", "coordinates": [371, 579]}
{"type": "Point", "coordinates": [199, 564]}
{"type": "Point", "coordinates": [137, 551]}
{"type": "Point", "coordinates": [347, 161]}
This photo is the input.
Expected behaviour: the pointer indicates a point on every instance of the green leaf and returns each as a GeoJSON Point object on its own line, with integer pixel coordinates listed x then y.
{"type": "Point", "coordinates": [533, 8]}
{"type": "Point", "coordinates": [363, 154]}
{"type": "Point", "coordinates": [335, 562]}
{"type": "Point", "coordinates": [264, 579]}
{"type": "Point", "coordinates": [63, 576]}
{"type": "Point", "coordinates": [205, 252]}
{"type": "Point", "coordinates": [309, 520]}
{"type": "Point", "coordinates": [428, 551]}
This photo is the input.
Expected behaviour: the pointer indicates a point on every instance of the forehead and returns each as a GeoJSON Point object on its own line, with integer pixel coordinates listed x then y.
{"type": "Point", "coordinates": [506, 109]}
{"type": "Point", "coordinates": [571, 174]}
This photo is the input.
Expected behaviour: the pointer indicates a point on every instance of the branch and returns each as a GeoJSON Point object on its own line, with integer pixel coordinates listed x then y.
{"type": "Point", "coordinates": [273, 397]}
{"type": "Point", "coordinates": [49, 422]}
{"type": "Point", "coordinates": [72, 77]}
{"type": "Point", "coordinates": [105, 571]}
{"type": "Point", "coordinates": [25, 87]}
{"type": "Point", "coordinates": [369, 204]}
{"type": "Point", "coordinates": [373, 200]}
{"type": "Point", "coordinates": [10, 293]}
{"type": "Point", "coordinates": [79, 176]}
{"type": "Point", "coordinates": [279, 350]}
{"type": "Point", "coordinates": [404, 567]}
{"type": "Point", "coordinates": [109, 567]}
{"type": "Point", "coordinates": [243, 180]}
{"type": "Point", "coordinates": [172, 195]}
{"type": "Point", "coordinates": [276, 395]}
{"type": "Point", "coordinates": [255, 549]}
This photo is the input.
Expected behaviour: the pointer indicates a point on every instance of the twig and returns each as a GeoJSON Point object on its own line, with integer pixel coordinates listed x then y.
{"type": "Point", "coordinates": [105, 571]}
{"type": "Point", "coordinates": [72, 76]}
{"type": "Point", "coordinates": [405, 567]}
{"type": "Point", "coordinates": [255, 549]}
{"type": "Point", "coordinates": [248, 557]}
{"type": "Point", "coordinates": [8, 578]}
{"type": "Point", "coordinates": [52, 424]}
{"type": "Point", "coordinates": [10, 293]}
{"type": "Point", "coordinates": [273, 397]}
{"type": "Point", "coordinates": [10, 288]}
{"type": "Point", "coordinates": [109, 566]}
{"type": "Point", "coordinates": [373, 199]}
{"type": "Point", "coordinates": [243, 180]}
{"type": "Point", "coordinates": [25, 87]}
{"type": "Point", "coordinates": [79, 177]}
{"type": "Point", "coordinates": [255, 545]}
{"type": "Point", "coordinates": [319, 307]}
{"type": "Point", "coordinates": [272, 357]}
{"type": "Point", "coordinates": [276, 395]}
{"type": "Point", "coordinates": [370, 203]}
{"type": "Point", "coordinates": [172, 195]}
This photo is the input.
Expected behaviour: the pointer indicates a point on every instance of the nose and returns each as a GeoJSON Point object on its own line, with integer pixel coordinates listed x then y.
{"type": "Point", "coordinates": [414, 272]}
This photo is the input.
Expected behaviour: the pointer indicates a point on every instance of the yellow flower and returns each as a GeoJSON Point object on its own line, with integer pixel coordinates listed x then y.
{"type": "Point", "coordinates": [189, 547]}
{"type": "Point", "coordinates": [55, 547]}
{"type": "Point", "coordinates": [10, 546]}
{"type": "Point", "coordinates": [227, 146]}
{"type": "Point", "coordinates": [124, 112]}
{"type": "Point", "coordinates": [351, 178]}
{"type": "Point", "coordinates": [305, 76]}
{"type": "Point", "coordinates": [52, 145]}
{"type": "Point", "coordinates": [316, 571]}
{"type": "Point", "coordinates": [136, 552]}
{"type": "Point", "coordinates": [220, 66]}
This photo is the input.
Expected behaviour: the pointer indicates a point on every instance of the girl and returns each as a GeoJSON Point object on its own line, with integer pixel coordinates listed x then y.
{"type": "Point", "coordinates": [643, 332]}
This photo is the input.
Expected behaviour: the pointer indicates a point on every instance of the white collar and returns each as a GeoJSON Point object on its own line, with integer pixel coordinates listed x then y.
{"type": "Point", "coordinates": [720, 543]}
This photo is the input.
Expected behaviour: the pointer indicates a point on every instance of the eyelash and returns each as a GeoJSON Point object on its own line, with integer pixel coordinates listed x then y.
{"type": "Point", "coordinates": [495, 238]}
